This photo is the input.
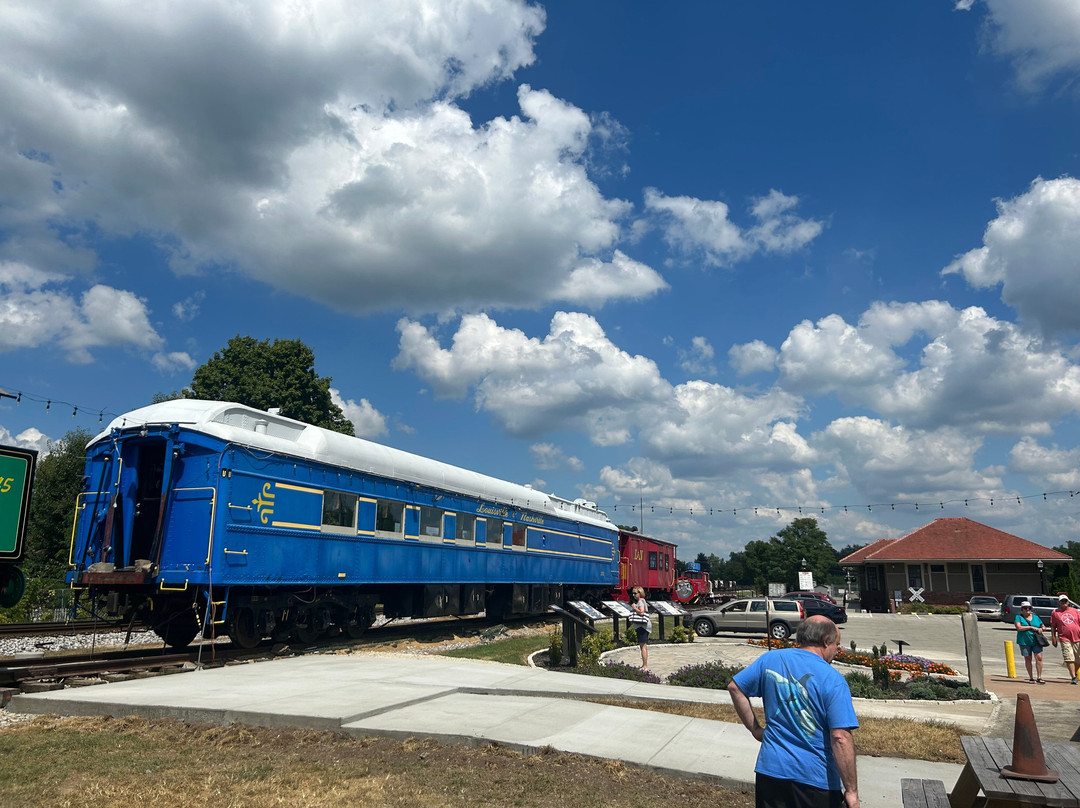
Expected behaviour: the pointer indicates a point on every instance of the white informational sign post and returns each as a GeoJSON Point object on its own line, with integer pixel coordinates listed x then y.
{"type": "Point", "coordinates": [806, 581]}
{"type": "Point", "coordinates": [776, 590]}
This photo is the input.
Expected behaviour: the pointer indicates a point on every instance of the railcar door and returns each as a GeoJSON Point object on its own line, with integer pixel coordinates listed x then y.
{"type": "Point", "coordinates": [146, 498]}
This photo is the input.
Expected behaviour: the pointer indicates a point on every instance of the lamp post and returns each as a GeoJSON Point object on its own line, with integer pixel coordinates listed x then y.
{"type": "Point", "coordinates": [1042, 577]}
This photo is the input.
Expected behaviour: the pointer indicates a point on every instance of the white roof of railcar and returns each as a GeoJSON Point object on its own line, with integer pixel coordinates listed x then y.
{"type": "Point", "coordinates": [271, 432]}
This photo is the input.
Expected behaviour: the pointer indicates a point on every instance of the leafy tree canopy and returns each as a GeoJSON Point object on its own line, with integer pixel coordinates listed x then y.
{"type": "Point", "coordinates": [270, 374]}
{"type": "Point", "coordinates": [780, 559]}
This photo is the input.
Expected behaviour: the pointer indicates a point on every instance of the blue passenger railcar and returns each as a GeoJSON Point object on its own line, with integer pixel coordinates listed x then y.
{"type": "Point", "coordinates": [205, 515]}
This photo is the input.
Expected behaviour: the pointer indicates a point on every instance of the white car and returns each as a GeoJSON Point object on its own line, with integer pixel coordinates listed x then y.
{"type": "Point", "coordinates": [985, 607]}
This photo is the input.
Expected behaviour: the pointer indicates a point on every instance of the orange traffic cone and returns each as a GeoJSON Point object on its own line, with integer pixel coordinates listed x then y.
{"type": "Point", "coordinates": [1028, 762]}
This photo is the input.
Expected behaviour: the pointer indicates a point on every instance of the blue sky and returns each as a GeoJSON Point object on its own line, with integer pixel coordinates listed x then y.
{"type": "Point", "coordinates": [709, 257]}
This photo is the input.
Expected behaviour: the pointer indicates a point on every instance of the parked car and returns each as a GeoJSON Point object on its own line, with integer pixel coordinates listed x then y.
{"type": "Point", "coordinates": [1042, 605]}
{"type": "Point", "coordinates": [804, 594]}
{"type": "Point", "coordinates": [748, 614]}
{"type": "Point", "coordinates": [985, 607]}
{"type": "Point", "coordinates": [832, 611]}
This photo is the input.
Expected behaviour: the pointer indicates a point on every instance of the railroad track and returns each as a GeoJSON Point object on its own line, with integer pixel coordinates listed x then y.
{"type": "Point", "coordinates": [57, 668]}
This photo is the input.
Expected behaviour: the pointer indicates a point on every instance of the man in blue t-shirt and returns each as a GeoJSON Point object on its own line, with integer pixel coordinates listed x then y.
{"type": "Point", "coordinates": [807, 756]}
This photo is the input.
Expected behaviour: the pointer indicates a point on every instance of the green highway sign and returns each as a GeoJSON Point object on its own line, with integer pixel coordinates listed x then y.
{"type": "Point", "coordinates": [16, 481]}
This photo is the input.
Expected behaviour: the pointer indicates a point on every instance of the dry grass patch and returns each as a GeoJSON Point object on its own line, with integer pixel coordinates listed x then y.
{"type": "Point", "coordinates": [878, 737]}
{"type": "Point", "coordinates": [102, 762]}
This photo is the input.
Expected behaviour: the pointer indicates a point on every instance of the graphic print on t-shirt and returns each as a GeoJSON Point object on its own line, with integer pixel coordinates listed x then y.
{"type": "Point", "coordinates": [794, 700]}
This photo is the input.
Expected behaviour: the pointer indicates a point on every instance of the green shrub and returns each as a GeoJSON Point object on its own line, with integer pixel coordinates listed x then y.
{"type": "Point", "coordinates": [882, 677]}
{"type": "Point", "coordinates": [555, 649]}
{"type": "Point", "coordinates": [592, 646]}
{"type": "Point", "coordinates": [681, 634]}
{"type": "Point", "coordinates": [863, 687]}
{"type": "Point", "coordinates": [629, 636]}
{"type": "Point", "coordinates": [712, 675]}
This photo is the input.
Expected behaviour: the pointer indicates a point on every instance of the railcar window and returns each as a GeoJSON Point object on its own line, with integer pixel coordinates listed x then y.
{"type": "Point", "coordinates": [495, 532]}
{"type": "Point", "coordinates": [389, 517]}
{"type": "Point", "coordinates": [518, 539]}
{"type": "Point", "coordinates": [465, 527]}
{"type": "Point", "coordinates": [338, 512]}
{"type": "Point", "coordinates": [431, 523]}
{"type": "Point", "coordinates": [652, 559]}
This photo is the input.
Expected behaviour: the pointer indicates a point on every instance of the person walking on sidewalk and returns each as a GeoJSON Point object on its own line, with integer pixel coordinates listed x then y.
{"type": "Point", "coordinates": [1029, 631]}
{"type": "Point", "coordinates": [1065, 626]}
{"type": "Point", "coordinates": [807, 755]}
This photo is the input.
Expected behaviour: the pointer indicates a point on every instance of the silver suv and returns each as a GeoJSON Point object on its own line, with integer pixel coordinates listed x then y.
{"type": "Point", "coordinates": [749, 614]}
{"type": "Point", "coordinates": [1041, 605]}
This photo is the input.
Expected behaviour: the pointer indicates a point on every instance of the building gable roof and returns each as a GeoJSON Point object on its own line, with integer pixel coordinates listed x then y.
{"type": "Point", "coordinates": [955, 539]}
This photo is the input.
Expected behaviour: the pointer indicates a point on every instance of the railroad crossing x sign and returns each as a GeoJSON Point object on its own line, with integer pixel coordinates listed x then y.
{"type": "Point", "coordinates": [916, 594]}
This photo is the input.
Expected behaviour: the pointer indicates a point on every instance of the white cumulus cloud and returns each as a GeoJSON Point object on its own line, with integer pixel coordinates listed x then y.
{"type": "Point", "coordinates": [272, 137]}
{"type": "Point", "coordinates": [367, 421]}
{"type": "Point", "coordinates": [1032, 249]}
{"type": "Point", "coordinates": [703, 227]}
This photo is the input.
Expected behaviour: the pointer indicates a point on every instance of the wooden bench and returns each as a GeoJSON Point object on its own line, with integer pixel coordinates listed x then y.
{"type": "Point", "coordinates": [923, 793]}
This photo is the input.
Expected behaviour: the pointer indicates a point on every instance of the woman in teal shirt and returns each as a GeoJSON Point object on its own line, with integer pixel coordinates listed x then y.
{"type": "Point", "coordinates": [1028, 628]}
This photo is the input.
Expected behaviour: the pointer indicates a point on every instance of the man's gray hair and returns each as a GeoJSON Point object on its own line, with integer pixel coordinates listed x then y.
{"type": "Point", "coordinates": [818, 630]}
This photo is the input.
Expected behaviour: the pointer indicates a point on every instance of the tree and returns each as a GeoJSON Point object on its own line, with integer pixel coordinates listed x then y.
{"type": "Point", "coordinates": [844, 552]}
{"type": "Point", "coordinates": [57, 484]}
{"type": "Point", "coordinates": [270, 374]}
{"type": "Point", "coordinates": [780, 558]}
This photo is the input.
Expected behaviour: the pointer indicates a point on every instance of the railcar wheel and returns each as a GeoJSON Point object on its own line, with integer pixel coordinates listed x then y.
{"type": "Point", "coordinates": [703, 628]}
{"type": "Point", "coordinates": [305, 631]}
{"type": "Point", "coordinates": [243, 630]}
{"type": "Point", "coordinates": [178, 630]}
{"type": "Point", "coordinates": [357, 622]}
{"type": "Point", "coordinates": [779, 631]}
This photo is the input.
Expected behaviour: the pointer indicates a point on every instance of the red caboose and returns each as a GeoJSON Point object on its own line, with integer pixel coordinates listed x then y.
{"type": "Point", "coordinates": [648, 563]}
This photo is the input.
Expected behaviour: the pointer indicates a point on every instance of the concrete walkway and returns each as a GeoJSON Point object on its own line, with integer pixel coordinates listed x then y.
{"type": "Point", "coordinates": [462, 701]}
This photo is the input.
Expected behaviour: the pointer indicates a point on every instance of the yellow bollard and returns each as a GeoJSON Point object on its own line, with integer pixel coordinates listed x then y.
{"type": "Point", "coordinates": [1010, 663]}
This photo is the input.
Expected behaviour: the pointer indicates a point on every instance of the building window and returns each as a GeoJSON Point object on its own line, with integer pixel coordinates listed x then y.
{"type": "Point", "coordinates": [338, 512]}
{"type": "Point", "coordinates": [978, 582]}
{"type": "Point", "coordinates": [431, 527]}
{"type": "Point", "coordinates": [465, 527]}
{"type": "Point", "coordinates": [652, 559]}
{"type": "Point", "coordinates": [389, 517]}
{"type": "Point", "coordinates": [873, 582]}
{"type": "Point", "coordinates": [914, 575]}
{"type": "Point", "coordinates": [937, 568]}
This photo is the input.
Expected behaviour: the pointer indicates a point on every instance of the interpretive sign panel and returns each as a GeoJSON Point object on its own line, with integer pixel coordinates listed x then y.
{"type": "Point", "coordinates": [667, 608]}
{"type": "Point", "coordinates": [16, 481]}
{"type": "Point", "coordinates": [617, 608]}
{"type": "Point", "coordinates": [586, 609]}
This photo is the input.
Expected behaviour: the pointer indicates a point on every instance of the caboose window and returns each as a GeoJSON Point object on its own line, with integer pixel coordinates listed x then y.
{"type": "Point", "coordinates": [465, 528]}
{"type": "Point", "coordinates": [518, 538]}
{"type": "Point", "coordinates": [431, 519]}
{"type": "Point", "coordinates": [389, 517]}
{"type": "Point", "coordinates": [652, 559]}
{"type": "Point", "coordinates": [338, 512]}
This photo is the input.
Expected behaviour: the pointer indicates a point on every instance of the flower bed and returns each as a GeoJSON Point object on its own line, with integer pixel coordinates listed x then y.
{"type": "Point", "coordinates": [901, 663]}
